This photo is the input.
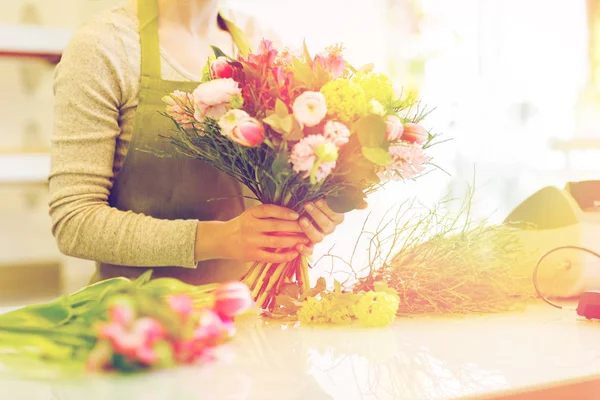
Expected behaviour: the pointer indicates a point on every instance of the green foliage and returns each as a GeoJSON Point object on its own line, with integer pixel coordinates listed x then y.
{"type": "Point", "coordinates": [370, 130]}
{"type": "Point", "coordinates": [60, 334]}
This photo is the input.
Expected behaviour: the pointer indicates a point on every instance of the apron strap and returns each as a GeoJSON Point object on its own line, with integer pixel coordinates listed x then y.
{"type": "Point", "coordinates": [148, 16]}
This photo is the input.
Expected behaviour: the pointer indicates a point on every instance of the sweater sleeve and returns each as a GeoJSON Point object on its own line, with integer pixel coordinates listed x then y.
{"type": "Point", "coordinates": [90, 87]}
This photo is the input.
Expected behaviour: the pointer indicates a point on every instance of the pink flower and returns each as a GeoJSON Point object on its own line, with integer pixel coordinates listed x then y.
{"type": "Point", "coordinates": [286, 56]}
{"type": "Point", "coordinates": [180, 107]}
{"type": "Point", "coordinates": [310, 108]}
{"type": "Point", "coordinates": [414, 133]}
{"type": "Point", "coordinates": [337, 132]}
{"type": "Point", "coordinates": [182, 305]}
{"type": "Point", "coordinates": [212, 99]}
{"type": "Point", "coordinates": [311, 155]}
{"type": "Point", "coordinates": [232, 298]}
{"type": "Point", "coordinates": [230, 119]}
{"type": "Point", "coordinates": [208, 333]}
{"type": "Point", "coordinates": [393, 128]}
{"type": "Point", "coordinates": [228, 326]}
{"type": "Point", "coordinates": [220, 68]}
{"type": "Point", "coordinates": [409, 160]}
{"type": "Point", "coordinates": [248, 132]}
{"type": "Point", "coordinates": [265, 55]}
{"type": "Point", "coordinates": [332, 62]}
{"type": "Point", "coordinates": [134, 342]}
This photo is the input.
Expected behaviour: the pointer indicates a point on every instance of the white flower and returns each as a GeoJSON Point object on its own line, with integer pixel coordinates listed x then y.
{"type": "Point", "coordinates": [310, 108]}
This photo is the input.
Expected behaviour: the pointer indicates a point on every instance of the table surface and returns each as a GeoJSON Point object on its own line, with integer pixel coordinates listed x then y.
{"type": "Point", "coordinates": [416, 358]}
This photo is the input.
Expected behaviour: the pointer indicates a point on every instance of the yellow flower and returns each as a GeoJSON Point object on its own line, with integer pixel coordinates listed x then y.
{"type": "Point", "coordinates": [376, 86]}
{"type": "Point", "coordinates": [311, 312]}
{"type": "Point", "coordinates": [376, 309]}
{"type": "Point", "coordinates": [345, 100]}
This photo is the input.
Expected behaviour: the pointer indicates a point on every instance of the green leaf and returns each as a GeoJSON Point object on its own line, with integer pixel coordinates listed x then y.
{"type": "Point", "coordinates": [377, 155]}
{"type": "Point", "coordinates": [239, 37]}
{"type": "Point", "coordinates": [366, 69]}
{"type": "Point", "coordinates": [322, 75]}
{"type": "Point", "coordinates": [371, 131]}
{"type": "Point", "coordinates": [143, 278]}
{"type": "Point", "coordinates": [307, 57]}
{"type": "Point", "coordinates": [303, 73]}
{"type": "Point", "coordinates": [281, 109]}
{"type": "Point", "coordinates": [346, 200]}
{"type": "Point", "coordinates": [287, 124]}
{"type": "Point", "coordinates": [274, 122]}
{"type": "Point", "coordinates": [218, 52]}
{"type": "Point", "coordinates": [337, 287]}
{"type": "Point", "coordinates": [295, 133]}
{"type": "Point", "coordinates": [281, 164]}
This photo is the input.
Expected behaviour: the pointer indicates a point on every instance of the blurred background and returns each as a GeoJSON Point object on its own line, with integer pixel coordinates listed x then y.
{"type": "Point", "coordinates": [515, 85]}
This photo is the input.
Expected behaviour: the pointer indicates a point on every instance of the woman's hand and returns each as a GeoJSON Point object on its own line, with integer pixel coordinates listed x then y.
{"type": "Point", "coordinates": [266, 233]}
{"type": "Point", "coordinates": [325, 222]}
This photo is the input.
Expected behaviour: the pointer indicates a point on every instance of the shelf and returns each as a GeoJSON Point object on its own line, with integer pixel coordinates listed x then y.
{"type": "Point", "coordinates": [32, 41]}
{"type": "Point", "coordinates": [24, 168]}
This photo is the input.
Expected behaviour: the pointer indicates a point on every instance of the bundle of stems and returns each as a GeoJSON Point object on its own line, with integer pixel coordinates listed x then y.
{"type": "Point", "coordinates": [444, 262]}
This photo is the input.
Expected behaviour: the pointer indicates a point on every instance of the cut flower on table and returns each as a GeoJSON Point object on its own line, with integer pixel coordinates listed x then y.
{"type": "Point", "coordinates": [126, 326]}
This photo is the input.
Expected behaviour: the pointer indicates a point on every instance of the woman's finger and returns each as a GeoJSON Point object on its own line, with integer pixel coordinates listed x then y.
{"type": "Point", "coordinates": [305, 249]}
{"type": "Point", "coordinates": [313, 234]}
{"type": "Point", "coordinates": [264, 211]}
{"type": "Point", "coordinates": [281, 242]}
{"type": "Point", "coordinates": [271, 257]}
{"type": "Point", "coordinates": [324, 207]}
{"type": "Point", "coordinates": [277, 225]}
{"type": "Point", "coordinates": [325, 224]}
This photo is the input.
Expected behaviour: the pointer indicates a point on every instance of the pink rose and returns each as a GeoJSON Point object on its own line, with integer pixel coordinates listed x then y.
{"type": "Point", "coordinates": [337, 132]}
{"type": "Point", "coordinates": [220, 68]}
{"type": "Point", "coordinates": [232, 298]}
{"type": "Point", "coordinates": [212, 99]}
{"type": "Point", "coordinates": [248, 132]}
{"type": "Point", "coordinates": [414, 133]}
{"type": "Point", "coordinates": [393, 128]}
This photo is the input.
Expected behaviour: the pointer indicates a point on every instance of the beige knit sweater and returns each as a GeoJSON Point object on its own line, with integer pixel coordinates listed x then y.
{"type": "Point", "coordinates": [96, 95]}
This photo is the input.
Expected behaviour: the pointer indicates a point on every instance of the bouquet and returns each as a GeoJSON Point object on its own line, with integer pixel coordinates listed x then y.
{"type": "Point", "coordinates": [125, 325]}
{"type": "Point", "coordinates": [293, 129]}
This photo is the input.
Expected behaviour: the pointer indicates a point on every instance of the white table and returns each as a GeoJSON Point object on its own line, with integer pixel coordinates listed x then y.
{"type": "Point", "coordinates": [416, 358]}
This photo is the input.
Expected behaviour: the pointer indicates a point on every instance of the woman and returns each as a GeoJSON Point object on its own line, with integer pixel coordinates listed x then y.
{"type": "Point", "coordinates": [129, 210]}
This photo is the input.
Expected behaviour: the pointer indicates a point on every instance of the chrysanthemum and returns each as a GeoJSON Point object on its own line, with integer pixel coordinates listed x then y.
{"type": "Point", "coordinates": [345, 100]}
{"type": "Point", "coordinates": [409, 160]}
{"type": "Point", "coordinates": [315, 156]}
{"type": "Point", "coordinates": [376, 86]}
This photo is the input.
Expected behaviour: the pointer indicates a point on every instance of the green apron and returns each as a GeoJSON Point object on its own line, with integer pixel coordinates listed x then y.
{"type": "Point", "coordinates": [169, 188]}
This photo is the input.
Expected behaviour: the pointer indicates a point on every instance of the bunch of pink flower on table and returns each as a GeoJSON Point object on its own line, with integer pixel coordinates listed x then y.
{"type": "Point", "coordinates": [174, 332]}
